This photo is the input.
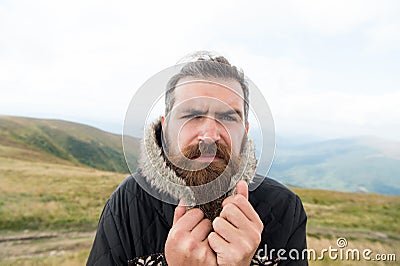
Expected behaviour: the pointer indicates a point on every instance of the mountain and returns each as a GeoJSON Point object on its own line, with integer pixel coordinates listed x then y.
{"type": "Point", "coordinates": [72, 143]}
{"type": "Point", "coordinates": [363, 164]}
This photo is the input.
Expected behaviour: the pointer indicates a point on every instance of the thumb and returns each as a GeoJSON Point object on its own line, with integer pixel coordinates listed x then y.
{"type": "Point", "coordinates": [180, 210]}
{"type": "Point", "coordinates": [242, 189]}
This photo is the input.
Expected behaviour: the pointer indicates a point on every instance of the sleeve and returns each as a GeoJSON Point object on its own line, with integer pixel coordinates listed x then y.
{"type": "Point", "coordinates": [290, 237]}
{"type": "Point", "coordinates": [297, 243]}
{"type": "Point", "coordinates": [105, 245]}
{"type": "Point", "coordinates": [111, 245]}
{"type": "Point", "coordinates": [107, 248]}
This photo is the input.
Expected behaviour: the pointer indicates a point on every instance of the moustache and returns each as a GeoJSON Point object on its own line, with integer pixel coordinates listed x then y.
{"type": "Point", "coordinates": [209, 149]}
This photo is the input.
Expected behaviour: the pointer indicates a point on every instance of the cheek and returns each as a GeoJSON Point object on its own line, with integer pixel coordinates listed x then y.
{"type": "Point", "coordinates": [180, 136]}
{"type": "Point", "coordinates": [185, 134]}
{"type": "Point", "coordinates": [234, 138]}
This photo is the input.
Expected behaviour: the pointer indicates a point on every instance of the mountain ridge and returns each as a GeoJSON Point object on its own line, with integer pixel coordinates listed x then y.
{"type": "Point", "coordinates": [350, 165]}
{"type": "Point", "coordinates": [364, 164]}
{"type": "Point", "coordinates": [69, 141]}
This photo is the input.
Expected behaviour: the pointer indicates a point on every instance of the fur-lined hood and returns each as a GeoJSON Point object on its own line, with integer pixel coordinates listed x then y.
{"type": "Point", "coordinates": [164, 180]}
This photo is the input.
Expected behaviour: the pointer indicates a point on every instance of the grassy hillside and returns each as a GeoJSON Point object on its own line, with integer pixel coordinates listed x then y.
{"type": "Point", "coordinates": [353, 165]}
{"type": "Point", "coordinates": [49, 211]}
{"type": "Point", "coordinates": [76, 143]}
{"type": "Point", "coordinates": [51, 199]}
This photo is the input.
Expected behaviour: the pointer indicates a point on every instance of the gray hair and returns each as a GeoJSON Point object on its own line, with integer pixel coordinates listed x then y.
{"type": "Point", "coordinates": [207, 67]}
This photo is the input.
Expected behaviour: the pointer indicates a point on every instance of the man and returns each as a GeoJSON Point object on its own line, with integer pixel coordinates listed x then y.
{"type": "Point", "coordinates": [199, 154]}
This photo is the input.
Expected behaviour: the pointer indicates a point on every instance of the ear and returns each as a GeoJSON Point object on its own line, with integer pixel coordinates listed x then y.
{"type": "Point", "coordinates": [163, 124]}
{"type": "Point", "coordinates": [247, 128]}
{"type": "Point", "coordinates": [162, 121]}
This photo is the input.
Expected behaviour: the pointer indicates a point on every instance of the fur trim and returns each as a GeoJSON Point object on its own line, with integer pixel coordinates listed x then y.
{"type": "Point", "coordinates": [165, 180]}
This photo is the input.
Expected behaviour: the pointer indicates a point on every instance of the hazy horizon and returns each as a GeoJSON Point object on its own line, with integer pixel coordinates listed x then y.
{"type": "Point", "coordinates": [294, 138]}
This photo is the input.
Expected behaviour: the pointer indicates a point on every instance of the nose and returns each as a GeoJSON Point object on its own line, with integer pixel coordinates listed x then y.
{"type": "Point", "coordinates": [209, 130]}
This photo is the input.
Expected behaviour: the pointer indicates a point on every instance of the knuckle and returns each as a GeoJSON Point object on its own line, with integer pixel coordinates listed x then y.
{"type": "Point", "coordinates": [211, 238]}
{"type": "Point", "coordinates": [228, 199]}
{"type": "Point", "coordinates": [228, 210]}
{"type": "Point", "coordinates": [254, 244]}
{"type": "Point", "coordinates": [245, 249]}
{"type": "Point", "coordinates": [254, 240]}
{"type": "Point", "coordinates": [244, 202]}
{"type": "Point", "coordinates": [206, 223]}
{"type": "Point", "coordinates": [176, 234]}
{"type": "Point", "coordinates": [255, 236]}
{"type": "Point", "coordinates": [196, 213]}
{"type": "Point", "coordinates": [260, 225]}
{"type": "Point", "coordinates": [258, 238]}
{"type": "Point", "coordinates": [203, 252]}
{"type": "Point", "coordinates": [191, 246]}
{"type": "Point", "coordinates": [223, 213]}
{"type": "Point", "coordinates": [240, 198]}
{"type": "Point", "coordinates": [217, 223]}
{"type": "Point", "coordinates": [229, 207]}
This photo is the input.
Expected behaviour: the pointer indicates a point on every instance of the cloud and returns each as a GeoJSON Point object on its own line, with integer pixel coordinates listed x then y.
{"type": "Point", "coordinates": [329, 17]}
{"type": "Point", "coordinates": [302, 104]}
{"type": "Point", "coordinates": [84, 60]}
{"type": "Point", "coordinates": [333, 114]}
{"type": "Point", "coordinates": [384, 38]}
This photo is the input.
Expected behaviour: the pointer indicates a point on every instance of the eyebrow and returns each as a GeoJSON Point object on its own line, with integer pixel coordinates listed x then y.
{"type": "Point", "coordinates": [191, 110]}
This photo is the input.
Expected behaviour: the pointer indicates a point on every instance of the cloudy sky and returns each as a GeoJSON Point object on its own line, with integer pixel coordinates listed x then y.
{"type": "Point", "coordinates": [328, 69]}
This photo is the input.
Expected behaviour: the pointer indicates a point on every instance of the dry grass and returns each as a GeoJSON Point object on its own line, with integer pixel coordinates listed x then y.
{"type": "Point", "coordinates": [378, 247]}
{"type": "Point", "coordinates": [364, 213]}
{"type": "Point", "coordinates": [40, 194]}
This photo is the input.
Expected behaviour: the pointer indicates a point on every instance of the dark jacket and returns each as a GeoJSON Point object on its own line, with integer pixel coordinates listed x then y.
{"type": "Point", "coordinates": [134, 225]}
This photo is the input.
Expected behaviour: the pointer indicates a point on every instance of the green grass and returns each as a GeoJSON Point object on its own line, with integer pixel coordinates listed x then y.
{"type": "Point", "coordinates": [352, 212]}
{"type": "Point", "coordinates": [61, 197]}
{"type": "Point", "coordinates": [41, 192]}
{"type": "Point", "coordinates": [73, 142]}
{"type": "Point", "coordinates": [43, 196]}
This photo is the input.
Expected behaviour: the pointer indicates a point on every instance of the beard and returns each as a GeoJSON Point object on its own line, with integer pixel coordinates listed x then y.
{"type": "Point", "coordinates": [195, 174]}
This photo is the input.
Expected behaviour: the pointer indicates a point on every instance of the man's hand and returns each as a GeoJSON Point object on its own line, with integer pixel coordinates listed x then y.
{"type": "Point", "coordinates": [237, 231]}
{"type": "Point", "coordinates": [187, 242]}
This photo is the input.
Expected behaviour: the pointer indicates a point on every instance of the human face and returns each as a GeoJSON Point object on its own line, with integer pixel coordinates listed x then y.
{"type": "Point", "coordinates": [206, 111]}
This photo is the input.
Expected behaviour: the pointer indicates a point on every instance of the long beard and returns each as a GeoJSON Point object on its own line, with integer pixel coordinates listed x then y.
{"type": "Point", "coordinates": [218, 172]}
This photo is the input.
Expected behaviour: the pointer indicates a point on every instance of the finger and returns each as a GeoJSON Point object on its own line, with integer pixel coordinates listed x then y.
{"type": "Point", "coordinates": [242, 189]}
{"type": "Point", "coordinates": [190, 219]}
{"type": "Point", "coordinates": [244, 205]}
{"type": "Point", "coordinates": [234, 215]}
{"type": "Point", "coordinates": [225, 229]}
{"type": "Point", "coordinates": [217, 243]}
{"type": "Point", "coordinates": [180, 210]}
{"type": "Point", "coordinates": [202, 229]}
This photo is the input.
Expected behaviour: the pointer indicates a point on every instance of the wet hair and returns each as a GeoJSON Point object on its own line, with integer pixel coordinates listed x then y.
{"type": "Point", "coordinates": [207, 66]}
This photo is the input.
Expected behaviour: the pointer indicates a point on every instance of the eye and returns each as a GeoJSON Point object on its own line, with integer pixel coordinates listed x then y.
{"type": "Point", "coordinates": [229, 118]}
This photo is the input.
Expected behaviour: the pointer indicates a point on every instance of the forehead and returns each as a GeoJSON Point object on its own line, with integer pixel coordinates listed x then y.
{"type": "Point", "coordinates": [227, 91]}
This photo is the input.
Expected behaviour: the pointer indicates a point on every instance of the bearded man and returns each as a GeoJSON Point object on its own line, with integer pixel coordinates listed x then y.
{"type": "Point", "coordinates": [199, 154]}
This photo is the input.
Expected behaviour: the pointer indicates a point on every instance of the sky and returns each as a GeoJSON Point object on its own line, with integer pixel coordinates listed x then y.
{"type": "Point", "coordinates": [328, 69]}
